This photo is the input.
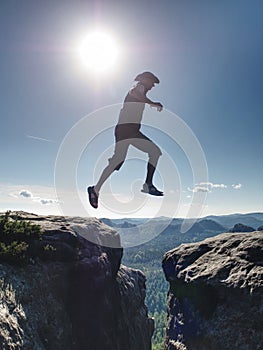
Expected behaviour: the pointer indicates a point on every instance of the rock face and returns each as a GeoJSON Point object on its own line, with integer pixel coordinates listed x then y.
{"type": "Point", "coordinates": [75, 294]}
{"type": "Point", "coordinates": [215, 298]}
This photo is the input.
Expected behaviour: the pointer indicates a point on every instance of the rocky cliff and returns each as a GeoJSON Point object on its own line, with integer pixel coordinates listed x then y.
{"type": "Point", "coordinates": [72, 294]}
{"type": "Point", "coordinates": [215, 299]}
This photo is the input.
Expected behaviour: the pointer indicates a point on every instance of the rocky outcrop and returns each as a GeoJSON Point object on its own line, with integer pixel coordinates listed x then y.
{"type": "Point", "coordinates": [73, 294]}
{"type": "Point", "coordinates": [241, 228]}
{"type": "Point", "coordinates": [215, 297]}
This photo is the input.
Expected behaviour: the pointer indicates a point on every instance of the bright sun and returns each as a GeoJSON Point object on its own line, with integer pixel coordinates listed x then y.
{"type": "Point", "coordinates": [98, 51]}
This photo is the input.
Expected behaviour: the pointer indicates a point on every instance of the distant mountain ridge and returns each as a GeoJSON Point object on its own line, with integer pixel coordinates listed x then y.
{"type": "Point", "coordinates": [219, 223]}
{"type": "Point", "coordinates": [251, 219]}
{"type": "Point", "coordinates": [209, 224]}
{"type": "Point", "coordinates": [170, 234]}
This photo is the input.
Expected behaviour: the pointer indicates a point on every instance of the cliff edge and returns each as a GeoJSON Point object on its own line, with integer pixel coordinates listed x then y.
{"type": "Point", "coordinates": [215, 297]}
{"type": "Point", "coordinates": [72, 294]}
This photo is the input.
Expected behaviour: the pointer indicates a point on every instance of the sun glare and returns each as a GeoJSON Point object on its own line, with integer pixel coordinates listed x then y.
{"type": "Point", "coordinates": [98, 52]}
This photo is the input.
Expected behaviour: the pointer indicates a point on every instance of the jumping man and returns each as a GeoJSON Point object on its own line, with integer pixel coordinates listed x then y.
{"type": "Point", "coordinates": [127, 132]}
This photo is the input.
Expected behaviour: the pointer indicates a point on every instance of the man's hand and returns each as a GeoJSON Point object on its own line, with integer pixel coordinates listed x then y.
{"type": "Point", "coordinates": [157, 105]}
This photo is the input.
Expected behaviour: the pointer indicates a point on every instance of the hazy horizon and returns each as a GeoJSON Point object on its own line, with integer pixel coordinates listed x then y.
{"type": "Point", "coordinates": [135, 217]}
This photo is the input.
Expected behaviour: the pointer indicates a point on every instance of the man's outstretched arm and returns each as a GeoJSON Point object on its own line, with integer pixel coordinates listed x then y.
{"type": "Point", "coordinates": [144, 99]}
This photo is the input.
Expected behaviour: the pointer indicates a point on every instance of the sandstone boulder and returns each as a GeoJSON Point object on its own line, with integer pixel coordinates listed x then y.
{"type": "Point", "coordinates": [215, 298]}
{"type": "Point", "coordinates": [73, 293]}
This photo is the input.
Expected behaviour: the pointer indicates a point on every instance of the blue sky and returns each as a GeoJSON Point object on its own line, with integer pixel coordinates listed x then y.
{"type": "Point", "coordinates": [208, 56]}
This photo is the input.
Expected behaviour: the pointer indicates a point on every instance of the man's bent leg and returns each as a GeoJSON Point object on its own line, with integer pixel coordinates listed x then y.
{"type": "Point", "coordinates": [146, 145]}
{"type": "Point", "coordinates": [115, 163]}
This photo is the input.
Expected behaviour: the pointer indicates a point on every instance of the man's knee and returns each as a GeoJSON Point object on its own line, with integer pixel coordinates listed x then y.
{"type": "Point", "coordinates": [117, 168]}
{"type": "Point", "coordinates": [158, 151]}
{"type": "Point", "coordinates": [115, 164]}
{"type": "Point", "coordinates": [155, 153]}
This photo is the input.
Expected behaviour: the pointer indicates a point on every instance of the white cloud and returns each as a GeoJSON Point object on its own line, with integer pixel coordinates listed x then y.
{"type": "Point", "coordinates": [206, 184]}
{"type": "Point", "coordinates": [47, 201]}
{"type": "Point", "coordinates": [219, 186]}
{"type": "Point", "coordinates": [212, 185]}
{"type": "Point", "coordinates": [26, 193]}
{"type": "Point", "coordinates": [41, 200]}
{"type": "Point", "coordinates": [206, 187]}
{"type": "Point", "coordinates": [237, 186]}
{"type": "Point", "coordinates": [10, 198]}
{"type": "Point", "coordinates": [198, 189]}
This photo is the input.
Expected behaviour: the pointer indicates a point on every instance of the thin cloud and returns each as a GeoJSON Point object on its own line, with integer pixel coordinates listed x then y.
{"type": "Point", "coordinates": [13, 195]}
{"type": "Point", "coordinates": [39, 138]}
{"type": "Point", "coordinates": [237, 186]}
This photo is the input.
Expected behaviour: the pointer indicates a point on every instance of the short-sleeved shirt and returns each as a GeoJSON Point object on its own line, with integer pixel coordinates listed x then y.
{"type": "Point", "coordinates": [138, 87]}
{"type": "Point", "coordinates": [132, 109]}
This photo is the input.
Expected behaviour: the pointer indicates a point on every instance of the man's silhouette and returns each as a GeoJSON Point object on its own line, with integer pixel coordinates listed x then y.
{"type": "Point", "coordinates": [127, 132]}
